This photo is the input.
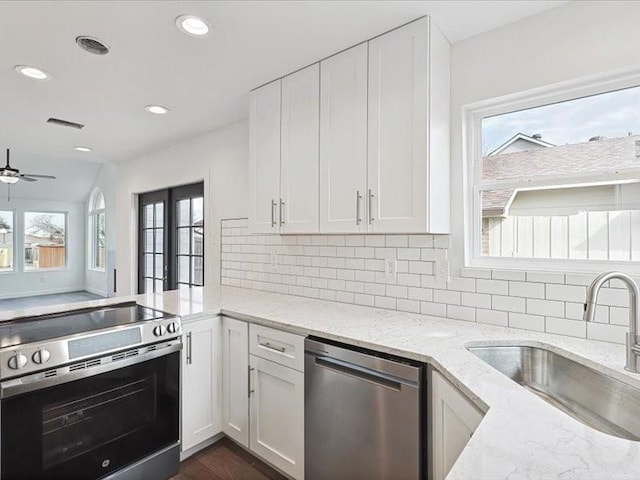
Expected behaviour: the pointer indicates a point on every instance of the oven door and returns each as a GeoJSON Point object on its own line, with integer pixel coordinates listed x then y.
{"type": "Point", "coordinates": [92, 426]}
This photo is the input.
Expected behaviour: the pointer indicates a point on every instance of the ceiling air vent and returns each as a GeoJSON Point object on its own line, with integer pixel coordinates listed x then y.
{"type": "Point", "coordinates": [92, 45]}
{"type": "Point", "coordinates": [65, 123]}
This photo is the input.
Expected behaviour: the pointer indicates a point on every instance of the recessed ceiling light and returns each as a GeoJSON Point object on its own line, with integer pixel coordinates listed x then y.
{"type": "Point", "coordinates": [83, 149]}
{"type": "Point", "coordinates": [31, 72]}
{"type": "Point", "coordinates": [192, 25]}
{"type": "Point", "coordinates": [156, 109]}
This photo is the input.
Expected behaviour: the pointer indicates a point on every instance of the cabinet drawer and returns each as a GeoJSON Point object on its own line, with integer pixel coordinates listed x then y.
{"type": "Point", "coordinates": [281, 347]}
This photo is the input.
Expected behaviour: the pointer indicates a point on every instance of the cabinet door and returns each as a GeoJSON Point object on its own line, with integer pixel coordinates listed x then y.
{"type": "Point", "coordinates": [398, 153]}
{"type": "Point", "coordinates": [343, 141]}
{"type": "Point", "coordinates": [235, 380]}
{"type": "Point", "coordinates": [454, 419]}
{"type": "Point", "coordinates": [277, 415]}
{"type": "Point", "coordinates": [264, 158]}
{"type": "Point", "coordinates": [300, 151]}
{"type": "Point", "coordinates": [200, 415]}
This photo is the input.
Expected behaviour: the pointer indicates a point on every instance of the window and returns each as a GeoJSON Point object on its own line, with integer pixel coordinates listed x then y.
{"type": "Point", "coordinates": [190, 242]}
{"type": "Point", "coordinates": [6, 241]}
{"type": "Point", "coordinates": [557, 180]}
{"type": "Point", "coordinates": [45, 240]}
{"type": "Point", "coordinates": [97, 238]}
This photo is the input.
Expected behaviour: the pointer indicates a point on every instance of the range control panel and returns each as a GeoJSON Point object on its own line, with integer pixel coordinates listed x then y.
{"type": "Point", "coordinates": [24, 359]}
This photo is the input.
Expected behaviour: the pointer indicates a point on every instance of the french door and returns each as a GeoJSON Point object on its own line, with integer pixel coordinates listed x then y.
{"type": "Point", "coordinates": [171, 238]}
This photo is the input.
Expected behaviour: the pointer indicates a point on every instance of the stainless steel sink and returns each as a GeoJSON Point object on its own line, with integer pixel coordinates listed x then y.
{"type": "Point", "coordinates": [592, 397]}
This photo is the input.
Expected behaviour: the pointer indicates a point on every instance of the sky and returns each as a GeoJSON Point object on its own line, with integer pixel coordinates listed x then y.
{"type": "Point", "coordinates": [611, 115]}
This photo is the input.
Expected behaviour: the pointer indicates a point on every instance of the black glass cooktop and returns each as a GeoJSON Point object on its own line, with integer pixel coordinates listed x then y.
{"type": "Point", "coordinates": [38, 329]}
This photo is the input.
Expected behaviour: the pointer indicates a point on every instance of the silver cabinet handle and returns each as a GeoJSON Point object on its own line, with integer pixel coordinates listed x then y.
{"type": "Point", "coordinates": [249, 389]}
{"type": "Point", "coordinates": [272, 347]}
{"type": "Point", "coordinates": [358, 198]}
{"type": "Point", "coordinates": [281, 212]}
{"type": "Point", "coordinates": [371, 219]}
{"type": "Point", "coordinates": [273, 213]}
{"type": "Point", "coordinates": [189, 357]}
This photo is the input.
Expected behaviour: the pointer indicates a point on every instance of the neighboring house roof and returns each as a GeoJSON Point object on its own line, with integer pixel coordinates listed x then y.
{"type": "Point", "coordinates": [620, 154]}
{"type": "Point", "coordinates": [517, 138]}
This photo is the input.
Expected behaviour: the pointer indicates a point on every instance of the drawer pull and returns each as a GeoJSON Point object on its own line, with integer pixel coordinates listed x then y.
{"type": "Point", "coordinates": [272, 347]}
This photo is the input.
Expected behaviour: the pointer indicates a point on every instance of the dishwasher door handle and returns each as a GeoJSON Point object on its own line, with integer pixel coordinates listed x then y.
{"type": "Point", "coordinates": [361, 373]}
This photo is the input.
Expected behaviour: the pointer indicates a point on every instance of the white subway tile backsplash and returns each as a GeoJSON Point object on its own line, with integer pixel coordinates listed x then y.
{"type": "Point", "coordinates": [350, 269]}
{"type": "Point", "coordinates": [550, 308]}
{"type": "Point", "coordinates": [526, 322]}
{"type": "Point", "coordinates": [545, 277]}
{"type": "Point", "coordinates": [458, 312]}
{"type": "Point", "coordinates": [498, 287]}
{"type": "Point", "coordinates": [508, 304]}
{"type": "Point", "coordinates": [481, 300]}
{"type": "Point", "coordinates": [567, 293]}
{"type": "Point", "coordinates": [562, 326]}
{"type": "Point", "coordinates": [492, 317]}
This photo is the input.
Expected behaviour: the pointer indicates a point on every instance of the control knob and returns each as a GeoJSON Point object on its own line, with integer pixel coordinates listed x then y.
{"type": "Point", "coordinates": [173, 327]}
{"type": "Point", "coordinates": [17, 361]}
{"type": "Point", "coordinates": [41, 356]}
{"type": "Point", "coordinates": [159, 331]}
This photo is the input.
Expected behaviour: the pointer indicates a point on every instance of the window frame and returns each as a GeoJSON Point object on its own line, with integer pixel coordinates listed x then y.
{"type": "Point", "coordinates": [92, 232]}
{"type": "Point", "coordinates": [26, 269]}
{"type": "Point", "coordinates": [14, 268]}
{"type": "Point", "coordinates": [472, 116]}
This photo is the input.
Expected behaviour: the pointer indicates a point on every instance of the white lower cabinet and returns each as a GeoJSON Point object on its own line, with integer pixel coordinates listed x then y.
{"type": "Point", "coordinates": [262, 395]}
{"type": "Point", "coordinates": [277, 415]}
{"type": "Point", "coordinates": [200, 403]}
{"type": "Point", "coordinates": [235, 380]}
{"type": "Point", "coordinates": [454, 418]}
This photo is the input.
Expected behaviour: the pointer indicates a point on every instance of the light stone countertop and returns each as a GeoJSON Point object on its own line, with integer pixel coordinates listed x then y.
{"type": "Point", "coordinates": [520, 437]}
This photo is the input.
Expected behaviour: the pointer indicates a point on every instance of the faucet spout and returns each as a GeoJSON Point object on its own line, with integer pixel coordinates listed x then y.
{"type": "Point", "coordinates": [633, 340]}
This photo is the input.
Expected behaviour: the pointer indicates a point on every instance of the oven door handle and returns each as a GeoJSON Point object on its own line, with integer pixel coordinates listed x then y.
{"type": "Point", "coordinates": [18, 386]}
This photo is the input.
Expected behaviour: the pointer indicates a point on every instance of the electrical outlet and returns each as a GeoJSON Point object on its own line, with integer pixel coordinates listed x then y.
{"type": "Point", "coordinates": [389, 268]}
{"type": "Point", "coordinates": [43, 279]}
{"type": "Point", "coordinates": [442, 270]}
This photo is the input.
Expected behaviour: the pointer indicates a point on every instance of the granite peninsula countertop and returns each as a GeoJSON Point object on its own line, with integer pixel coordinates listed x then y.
{"type": "Point", "coordinates": [520, 437]}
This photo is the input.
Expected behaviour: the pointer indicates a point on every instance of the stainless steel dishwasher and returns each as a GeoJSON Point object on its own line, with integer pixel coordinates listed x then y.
{"type": "Point", "coordinates": [365, 414]}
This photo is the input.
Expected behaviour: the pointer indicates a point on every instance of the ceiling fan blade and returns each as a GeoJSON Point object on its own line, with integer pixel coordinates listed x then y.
{"type": "Point", "coordinates": [28, 179]}
{"type": "Point", "coordinates": [33, 175]}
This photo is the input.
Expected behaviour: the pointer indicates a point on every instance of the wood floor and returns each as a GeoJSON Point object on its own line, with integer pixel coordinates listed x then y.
{"type": "Point", "coordinates": [225, 461]}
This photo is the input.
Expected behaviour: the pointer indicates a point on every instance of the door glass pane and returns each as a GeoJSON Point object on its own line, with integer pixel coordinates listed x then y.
{"type": "Point", "coordinates": [183, 241]}
{"type": "Point", "coordinates": [148, 216]}
{"type": "Point", "coordinates": [148, 285]}
{"type": "Point", "coordinates": [159, 215]}
{"type": "Point", "coordinates": [183, 269]}
{"type": "Point", "coordinates": [197, 213]}
{"type": "Point", "coordinates": [197, 238]}
{"type": "Point", "coordinates": [183, 213]}
{"type": "Point", "coordinates": [148, 240]}
{"type": "Point", "coordinates": [159, 286]}
{"type": "Point", "coordinates": [183, 286]}
{"type": "Point", "coordinates": [197, 272]}
{"type": "Point", "coordinates": [159, 240]}
{"type": "Point", "coordinates": [159, 266]}
{"type": "Point", "coordinates": [148, 264]}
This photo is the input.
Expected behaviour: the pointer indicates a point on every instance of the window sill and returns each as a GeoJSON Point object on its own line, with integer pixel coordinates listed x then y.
{"type": "Point", "coordinates": [45, 270]}
{"type": "Point", "coordinates": [551, 266]}
{"type": "Point", "coordinates": [97, 270]}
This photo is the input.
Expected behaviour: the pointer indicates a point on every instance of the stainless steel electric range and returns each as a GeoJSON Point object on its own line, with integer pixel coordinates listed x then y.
{"type": "Point", "coordinates": [90, 394]}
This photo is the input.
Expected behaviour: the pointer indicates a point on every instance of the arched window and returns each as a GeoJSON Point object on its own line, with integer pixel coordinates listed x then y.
{"type": "Point", "coordinates": [97, 237]}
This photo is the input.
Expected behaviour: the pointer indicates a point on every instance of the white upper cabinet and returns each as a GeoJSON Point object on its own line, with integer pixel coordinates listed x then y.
{"type": "Point", "coordinates": [264, 158]}
{"type": "Point", "coordinates": [384, 123]}
{"type": "Point", "coordinates": [408, 99]}
{"type": "Point", "coordinates": [343, 141]}
{"type": "Point", "coordinates": [298, 208]}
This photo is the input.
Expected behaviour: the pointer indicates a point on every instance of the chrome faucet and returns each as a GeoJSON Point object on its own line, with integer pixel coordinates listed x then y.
{"type": "Point", "coordinates": [633, 340]}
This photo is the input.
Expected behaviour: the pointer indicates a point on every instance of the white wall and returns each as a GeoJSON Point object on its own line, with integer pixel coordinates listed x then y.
{"type": "Point", "coordinates": [101, 283]}
{"type": "Point", "coordinates": [573, 40]}
{"type": "Point", "coordinates": [219, 158]}
{"type": "Point", "coordinates": [20, 283]}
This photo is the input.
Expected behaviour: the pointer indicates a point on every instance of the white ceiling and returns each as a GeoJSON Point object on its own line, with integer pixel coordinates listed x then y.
{"type": "Point", "coordinates": [204, 81]}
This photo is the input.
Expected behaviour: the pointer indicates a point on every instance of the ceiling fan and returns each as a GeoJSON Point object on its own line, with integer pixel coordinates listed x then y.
{"type": "Point", "coordinates": [11, 175]}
